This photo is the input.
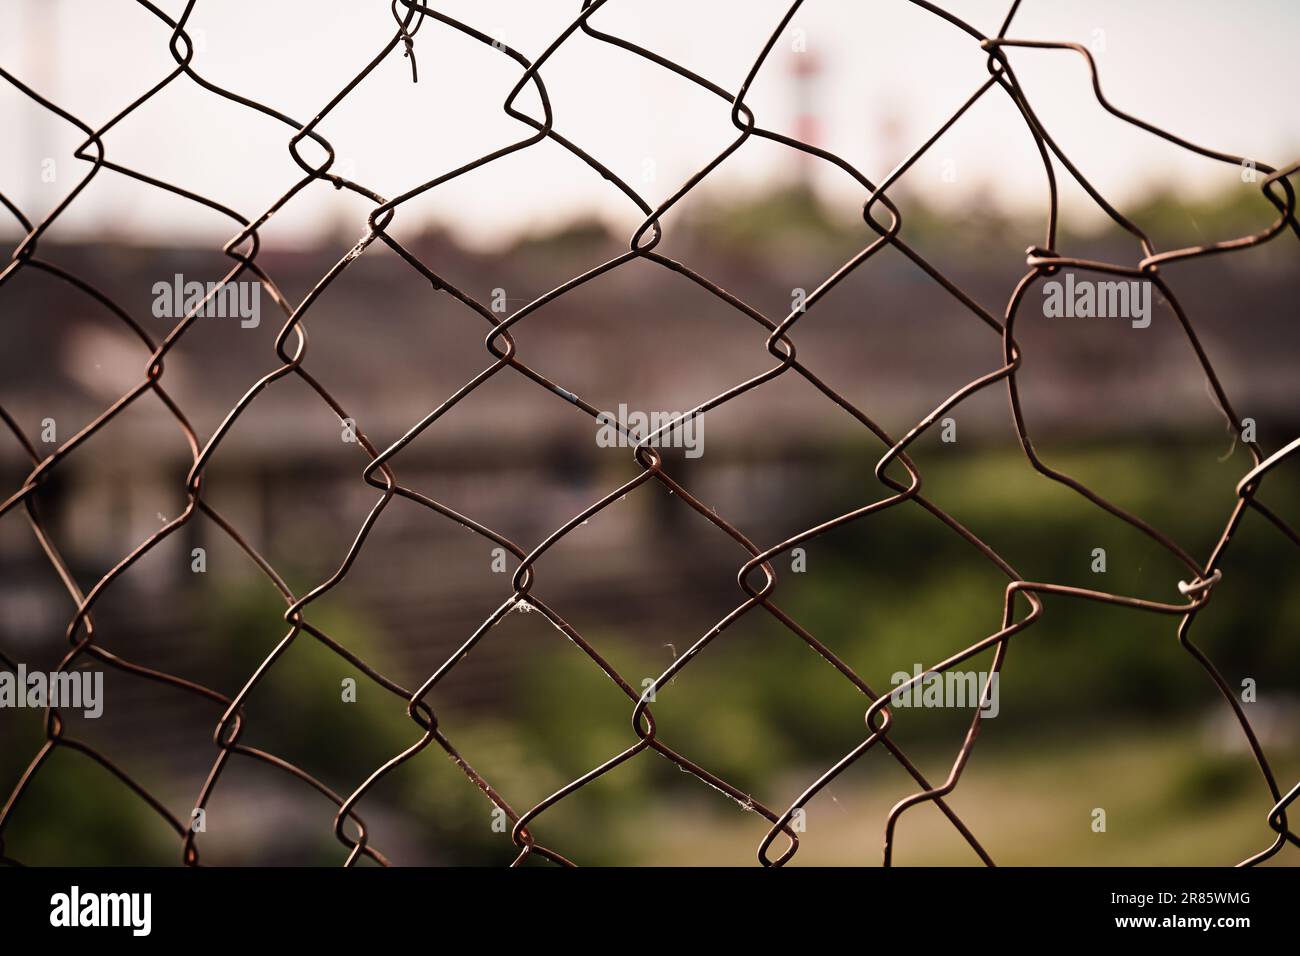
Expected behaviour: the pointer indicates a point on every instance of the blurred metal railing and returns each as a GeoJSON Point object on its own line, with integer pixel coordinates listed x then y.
{"type": "Point", "coordinates": [756, 578]}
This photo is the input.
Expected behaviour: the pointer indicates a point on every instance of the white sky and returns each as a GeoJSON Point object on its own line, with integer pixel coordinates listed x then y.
{"type": "Point", "coordinates": [1223, 74]}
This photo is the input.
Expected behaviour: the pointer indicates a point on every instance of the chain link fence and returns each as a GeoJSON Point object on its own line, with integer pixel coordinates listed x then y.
{"type": "Point", "coordinates": [899, 478]}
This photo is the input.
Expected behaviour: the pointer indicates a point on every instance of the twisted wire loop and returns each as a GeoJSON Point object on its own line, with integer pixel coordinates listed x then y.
{"type": "Point", "coordinates": [1023, 600]}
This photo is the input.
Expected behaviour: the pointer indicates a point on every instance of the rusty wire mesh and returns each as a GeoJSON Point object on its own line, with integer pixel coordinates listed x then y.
{"type": "Point", "coordinates": [1023, 604]}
